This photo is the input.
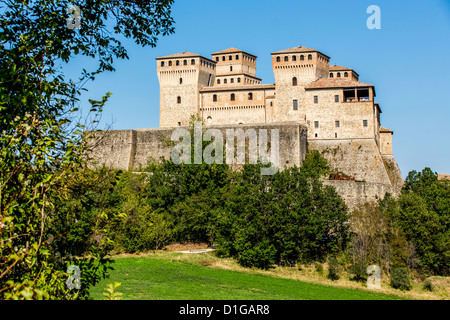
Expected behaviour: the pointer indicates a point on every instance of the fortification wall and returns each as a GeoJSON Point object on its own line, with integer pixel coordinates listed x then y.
{"type": "Point", "coordinates": [358, 158]}
{"type": "Point", "coordinates": [127, 149]}
{"type": "Point", "coordinates": [357, 193]}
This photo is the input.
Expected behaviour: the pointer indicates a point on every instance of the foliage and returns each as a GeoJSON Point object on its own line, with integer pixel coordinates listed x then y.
{"type": "Point", "coordinates": [422, 215]}
{"type": "Point", "coordinates": [428, 285]}
{"type": "Point", "coordinates": [333, 268]}
{"type": "Point", "coordinates": [400, 279]}
{"type": "Point", "coordinates": [281, 219]}
{"type": "Point", "coordinates": [42, 145]}
{"type": "Point", "coordinates": [359, 271]}
{"type": "Point", "coordinates": [111, 293]}
{"type": "Point", "coordinates": [319, 268]}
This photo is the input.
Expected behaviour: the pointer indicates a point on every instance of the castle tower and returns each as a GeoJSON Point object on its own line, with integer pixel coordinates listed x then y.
{"type": "Point", "coordinates": [294, 69]}
{"type": "Point", "coordinates": [181, 77]}
{"type": "Point", "coordinates": [235, 67]}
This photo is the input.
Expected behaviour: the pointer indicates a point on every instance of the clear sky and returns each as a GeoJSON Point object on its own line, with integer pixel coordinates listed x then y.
{"type": "Point", "coordinates": [407, 60]}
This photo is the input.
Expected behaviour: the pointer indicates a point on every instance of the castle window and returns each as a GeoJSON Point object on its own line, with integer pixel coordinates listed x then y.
{"type": "Point", "coordinates": [365, 123]}
{"type": "Point", "coordinates": [294, 81]}
{"type": "Point", "coordinates": [178, 99]}
{"type": "Point", "coordinates": [237, 57]}
{"type": "Point", "coordinates": [181, 80]}
{"type": "Point", "coordinates": [217, 59]}
{"type": "Point", "coordinates": [232, 97]}
{"type": "Point", "coordinates": [178, 63]}
{"type": "Point", "coordinates": [295, 104]}
{"type": "Point", "coordinates": [337, 124]}
{"type": "Point", "coordinates": [309, 56]}
{"type": "Point", "coordinates": [336, 98]}
{"type": "Point", "coordinates": [185, 62]}
{"type": "Point", "coordinates": [179, 124]}
{"type": "Point", "coordinates": [230, 58]}
{"type": "Point", "coordinates": [316, 99]}
{"type": "Point", "coordinates": [335, 135]}
{"type": "Point", "coordinates": [232, 80]}
{"type": "Point", "coordinates": [162, 63]}
{"type": "Point", "coordinates": [223, 58]}
{"type": "Point", "coordinates": [346, 74]}
{"type": "Point", "coordinates": [302, 57]}
{"type": "Point", "coordinates": [218, 81]}
{"type": "Point", "coordinates": [250, 96]}
{"type": "Point", "coordinates": [294, 58]}
{"type": "Point", "coordinates": [239, 80]}
{"type": "Point", "coordinates": [331, 75]}
{"type": "Point", "coordinates": [278, 59]}
{"type": "Point", "coordinates": [338, 74]}
{"type": "Point", "coordinates": [231, 68]}
{"type": "Point", "coordinates": [286, 58]}
{"type": "Point", "coordinates": [215, 98]}
{"type": "Point", "coordinates": [170, 63]}
{"type": "Point", "coordinates": [193, 61]}
{"type": "Point", "coordinates": [315, 135]}
{"type": "Point", "coordinates": [316, 124]}
{"type": "Point", "coordinates": [209, 120]}
{"type": "Point", "coordinates": [225, 81]}
{"type": "Point", "coordinates": [271, 103]}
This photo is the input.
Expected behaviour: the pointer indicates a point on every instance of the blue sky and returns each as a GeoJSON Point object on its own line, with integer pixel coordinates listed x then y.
{"type": "Point", "coordinates": [407, 60]}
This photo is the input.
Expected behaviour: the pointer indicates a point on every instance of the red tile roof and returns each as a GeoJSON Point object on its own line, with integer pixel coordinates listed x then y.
{"type": "Point", "coordinates": [326, 83]}
{"type": "Point", "coordinates": [232, 50]}
{"type": "Point", "coordinates": [298, 49]}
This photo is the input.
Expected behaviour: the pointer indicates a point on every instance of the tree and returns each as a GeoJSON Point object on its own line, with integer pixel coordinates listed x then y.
{"type": "Point", "coordinates": [41, 141]}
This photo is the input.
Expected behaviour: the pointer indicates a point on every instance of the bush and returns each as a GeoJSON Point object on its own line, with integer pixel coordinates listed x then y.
{"type": "Point", "coordinates": [428, 285]}
{"type": "Point", "coordinates": [400, 279]}
{"type": "Point", "coordinates": [359, 271]}
{"type": "Point", "coordinates": [319, 268]}
{"type": "Point", "coordinates": [333, 268]}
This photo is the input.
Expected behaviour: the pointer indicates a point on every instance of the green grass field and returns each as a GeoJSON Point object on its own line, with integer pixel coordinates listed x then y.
{"type": "Point", "coordinates": [156, 277]}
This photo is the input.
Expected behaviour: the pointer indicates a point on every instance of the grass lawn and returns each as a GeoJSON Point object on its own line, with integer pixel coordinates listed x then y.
{"type": "Point", "coordinates": [164, 277]}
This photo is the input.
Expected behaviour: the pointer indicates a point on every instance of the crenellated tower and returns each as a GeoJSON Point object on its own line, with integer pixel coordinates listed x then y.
{"type": "Point", "coordinates": [294, 69]}
{"type": "Point", "coordinates": [181, 77]}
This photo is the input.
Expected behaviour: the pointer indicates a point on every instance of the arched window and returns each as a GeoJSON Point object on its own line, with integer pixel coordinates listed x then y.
{"type": "Point", "coordinates": [309, 56]}
{"type": "Point", "coordinates": [230, 58]}
{"type": "Point", "coordinates": [193, 61]}
{"type": "Point", "coordinates": [237, 57]}
{"type": "Point", "coordinates": [178, 99]}
{"type": "Point", "coordinates": [239, 80]}
{"type": "Point", "coordinates": [178, 63]}
{"type": "Point", "coordinates": [278, 59]}
{"type": "Point", "coordinates": [209, 120]}
{"type": "Point", "coordinates": [286, 58]}
{"type": "Point", "coordinates": [346, 74]}
{"type": "Point", "coordinates": [170, 63]}
{"type": "Point", "coordinates": [215, 98]}
{"type": "Point", "coordinates": [223, 58]}
{"type": "Point", "coordinates": [232, 97]}
{"type": "Point", "coordinates": [302, 57]}
{"type": "Point", "coordinates": [224, 81]}
{"type": "Point", "coordinates": [185, 62]}
{"type": "Point", "coordinates": [217, 59]}
{"type": "Point", "coordinates": [232, 80]}
{"type": "Point", "coordinates": [218, 81]}
{"type": "Point", "coordinates": [250, 96]}
{"type": "Point", "coordinates": [181, 80]}
{"type": "Point", "coordinates": [162, 63]}
{"type": "Point", "coordinates": [338, 74]}
{"type": "Point", "coordinates": [294, 81]}
{"type": "Point", "coordinates": [294, 58]}
{"type": "Point", "coordinates": [331, 75]}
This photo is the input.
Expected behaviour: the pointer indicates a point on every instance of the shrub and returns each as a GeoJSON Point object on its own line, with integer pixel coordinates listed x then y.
{"type": "Point", "coordinates": [333, 268]}
{"type": "Point", "coordinates": [359, 271]}
{"type": "Point", "coordinates": [319, 268]}
{"type": "Point", "coordinates": [428, 285]}
{"type": "Point", "coordinates": [400, 279]}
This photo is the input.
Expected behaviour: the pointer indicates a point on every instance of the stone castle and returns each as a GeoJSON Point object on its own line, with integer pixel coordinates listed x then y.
{"type": "Point", "coordinates": [314, 105]}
